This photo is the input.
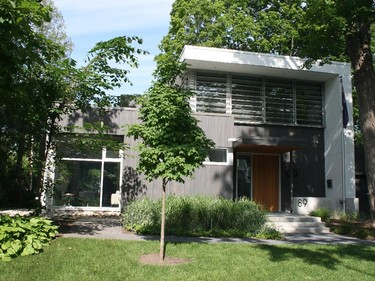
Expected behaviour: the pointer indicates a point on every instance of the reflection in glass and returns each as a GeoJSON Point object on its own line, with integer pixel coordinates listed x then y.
{"type": "Point", "coordinates": [78, 183]}
{"type": "Point", "coordinates": [244, 177]}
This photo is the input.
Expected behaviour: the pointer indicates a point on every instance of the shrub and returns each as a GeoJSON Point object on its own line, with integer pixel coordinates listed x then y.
{"type": "Point", "coordinates": [361, 234]}
{"type": "Point", "coordinates": [195, 216]}
{"type": "Point", "coordinates": [343, 229]}
{"type": "Point", "coordinates": [142, 216]}
{"type": "Point", "coordinates": [323, 213]}
{"type": "Point", "coordinates": [24, 235]}
{"type": "Point", "coordinates": [348, 216]}
{"type": "Point", "coordinates": [269, 233]}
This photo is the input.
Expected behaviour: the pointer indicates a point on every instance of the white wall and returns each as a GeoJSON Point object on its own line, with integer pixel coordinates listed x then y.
{"type": "Point", "coordinates": [339, 143]}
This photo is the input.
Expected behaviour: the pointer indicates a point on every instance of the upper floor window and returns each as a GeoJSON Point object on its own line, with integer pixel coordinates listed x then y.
{"type": "Point", "coordinates": [258, 100]}
{"type": "Point", "coordinates": [211, 92]}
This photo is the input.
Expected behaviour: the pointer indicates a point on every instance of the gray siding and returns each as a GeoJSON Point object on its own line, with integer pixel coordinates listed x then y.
{"type": "Point", "coordinates": [214, 180]}
{"type": "Point", "coordinates": [217, 180]}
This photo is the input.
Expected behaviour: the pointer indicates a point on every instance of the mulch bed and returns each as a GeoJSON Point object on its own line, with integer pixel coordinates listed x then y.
{"type": "Point", "coordinates": [154, 259]}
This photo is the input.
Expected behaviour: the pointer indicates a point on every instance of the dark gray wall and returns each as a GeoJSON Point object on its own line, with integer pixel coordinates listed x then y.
{"type": "Point", "coordinates": [308, 162]}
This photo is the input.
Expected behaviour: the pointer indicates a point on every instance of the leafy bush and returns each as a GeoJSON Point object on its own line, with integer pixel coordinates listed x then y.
{"type": "Point", "coordinates": [343, 229]}
{"type": "Point", "coordinates": [195, 216]}
{"type": "Point", "coordinates": [24, 235]}
{"type": "Point", "coordinates": [269, 233]}
{"type": "Point", "coordinates": [323, 213]}
{"type": "Point", "coordinates": [141, 215]}
{"type": "Point", "coordinates": [348, 216]}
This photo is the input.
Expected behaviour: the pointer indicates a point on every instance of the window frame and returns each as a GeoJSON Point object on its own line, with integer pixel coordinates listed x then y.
{"type": "Point", "coordinates": [215, 163]}
{"type": "Point", "coordinates": [104, 159]}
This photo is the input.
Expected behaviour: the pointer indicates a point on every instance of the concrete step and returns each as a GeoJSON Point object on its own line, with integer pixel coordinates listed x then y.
{"type": "Point", "coordinates": [292, 223]}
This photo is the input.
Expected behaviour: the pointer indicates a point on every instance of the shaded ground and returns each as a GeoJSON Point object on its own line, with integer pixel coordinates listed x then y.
{"type": "Point", "coordinates": [111, 228]}
{"type": "Point", "coordinates": [353, 228]}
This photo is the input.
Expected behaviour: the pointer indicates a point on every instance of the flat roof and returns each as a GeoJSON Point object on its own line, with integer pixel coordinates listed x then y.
{"type": "Point", "coordinates": [260, 64]}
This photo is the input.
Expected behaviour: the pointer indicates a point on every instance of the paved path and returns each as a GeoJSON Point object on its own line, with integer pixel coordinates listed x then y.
{"type": "Point", "coordinates": [109, 228]}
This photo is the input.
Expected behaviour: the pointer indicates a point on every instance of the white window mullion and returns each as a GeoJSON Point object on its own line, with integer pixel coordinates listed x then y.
{"type": "Point", "coordinates": [264, 117]}
{"type": "Point", "coordinates": [121, 175]}
{"type": "Point", "coordinates": [192, 85]}
{"type": "Point", "coordinates": [294, 99]}
{"type": "Point", "coordinates": [102, 178]}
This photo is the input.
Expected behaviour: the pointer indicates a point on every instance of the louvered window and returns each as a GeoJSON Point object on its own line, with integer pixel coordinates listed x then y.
{"type": "Point", "coordinates": [247, 99]}
{"type": "Point", "coordinates": [211, 89]}
{"type": "Point", "coordinates": [309, 104]}
{"type": "Point", "coordinates": [279, 102]}
{"type": "Point", "coordinates": [258, 100]}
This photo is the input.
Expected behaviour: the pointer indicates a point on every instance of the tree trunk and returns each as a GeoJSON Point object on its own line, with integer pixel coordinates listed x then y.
{"type": "Point", "coordinates": [358, 49]}
{"type": "Point", "coordinates": [162, 229]}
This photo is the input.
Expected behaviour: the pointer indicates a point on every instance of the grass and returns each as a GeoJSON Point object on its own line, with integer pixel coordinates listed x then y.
{"type": "Point", "coordinates": [94, 259]}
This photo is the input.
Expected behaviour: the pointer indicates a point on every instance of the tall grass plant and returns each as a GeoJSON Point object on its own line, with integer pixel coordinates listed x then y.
{"type": "Point", "coordinates": [196, 215]}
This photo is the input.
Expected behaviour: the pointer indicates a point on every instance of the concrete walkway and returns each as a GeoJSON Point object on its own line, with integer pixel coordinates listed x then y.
{"type": "Point", "coordinates": [110, 228]}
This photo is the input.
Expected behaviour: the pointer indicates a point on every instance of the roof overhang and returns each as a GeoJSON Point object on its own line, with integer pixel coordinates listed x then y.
{"type": "Point", "coordinates": [259, 64]}
{"type": "Point", "coordinates": [268, 145]}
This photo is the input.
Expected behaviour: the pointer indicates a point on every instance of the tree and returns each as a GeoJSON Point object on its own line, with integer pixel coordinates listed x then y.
{"type": "Point", "coordinates": [172, 144]}
{"type": "Point", "coordinates": [348, 29]}
{"type": "Point", "coordinates": [54, 29]}
{"type": "Point", "coordinates": [260, 26]}
{"type": "Point", "coordinates": [39, 84]}
{"type": "Point", "coordinates": [23, 52]}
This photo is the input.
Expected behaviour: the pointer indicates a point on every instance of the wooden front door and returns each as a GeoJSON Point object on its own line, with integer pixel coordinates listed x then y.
{"type": "Point", "coordinates": [265, 170]}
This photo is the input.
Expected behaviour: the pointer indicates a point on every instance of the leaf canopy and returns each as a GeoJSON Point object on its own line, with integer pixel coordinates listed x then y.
{"type": "Point", "coordinates": [172, 144]}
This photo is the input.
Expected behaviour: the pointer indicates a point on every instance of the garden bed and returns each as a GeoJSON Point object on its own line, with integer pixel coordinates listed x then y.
{"type": "Point", "coordinates": [363, 229]}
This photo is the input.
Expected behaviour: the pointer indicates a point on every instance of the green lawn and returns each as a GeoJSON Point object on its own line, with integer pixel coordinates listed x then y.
{"type": "Point", "coordinates": [94, 259]}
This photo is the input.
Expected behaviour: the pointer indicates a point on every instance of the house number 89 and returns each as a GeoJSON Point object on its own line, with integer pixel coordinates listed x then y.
{"type": "Point", "coordinates": [302, 202]}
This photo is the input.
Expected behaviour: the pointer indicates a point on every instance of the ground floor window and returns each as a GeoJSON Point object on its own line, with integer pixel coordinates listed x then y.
{"type": "Point", "coordinates": [244, 177]}
{"type": "Point", "coordinates": [89, 182]}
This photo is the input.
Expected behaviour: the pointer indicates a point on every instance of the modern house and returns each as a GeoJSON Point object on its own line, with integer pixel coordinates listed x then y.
{"type": "Point", "coordinates": [282, 138]}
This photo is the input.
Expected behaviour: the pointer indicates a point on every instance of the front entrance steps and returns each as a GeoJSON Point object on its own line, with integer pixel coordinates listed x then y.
{"type": "Point", "coordinates": [296, 224]}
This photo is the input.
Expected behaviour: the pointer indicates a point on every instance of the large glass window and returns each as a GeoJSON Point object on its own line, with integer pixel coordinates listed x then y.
{"type": "Point", "coordinates": [88, 182]}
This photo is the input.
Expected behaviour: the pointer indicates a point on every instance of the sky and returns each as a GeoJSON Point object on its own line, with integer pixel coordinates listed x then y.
{"type": "Point", "coordinates": [90, 21]}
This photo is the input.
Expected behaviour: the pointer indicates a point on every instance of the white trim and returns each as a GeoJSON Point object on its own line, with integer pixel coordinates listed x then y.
{"type": "Point", "coordinates": [226, 163]}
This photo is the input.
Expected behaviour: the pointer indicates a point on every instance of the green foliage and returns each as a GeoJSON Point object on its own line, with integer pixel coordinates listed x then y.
{"type": "Point", "coordinates": [348, 216]}
{"type": "Point", "coordinates": [260, 26]}
{"type": "Point", "coordinates": [86, 140]}
{"type": "Point", "coordinates": [172, 144]}
{"type": "Point", "coordinates": [197, 216]}
{"type": "Point", "coordinates": [23, 236]}
{"type": "Point", "coordinates": [343, 229]}
{"type": "Point", "coordinates": [324, 213]}
{"type": "Point", "coordinates": [350, 230]}
{"type": "Point", "coordinates": [269, 233]}
{"type": "Point", "coordinates": [39, 85]}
